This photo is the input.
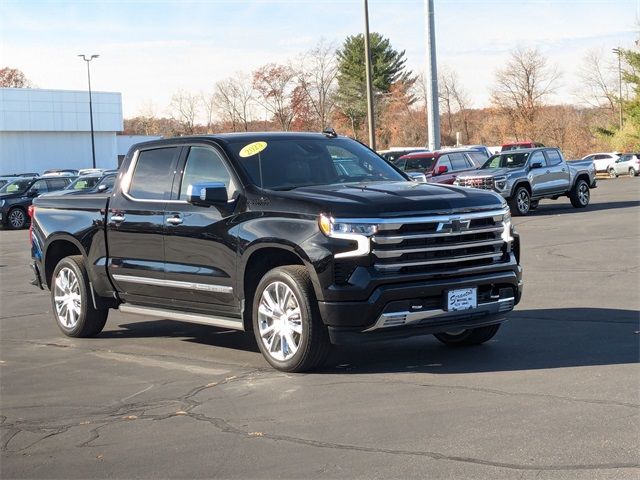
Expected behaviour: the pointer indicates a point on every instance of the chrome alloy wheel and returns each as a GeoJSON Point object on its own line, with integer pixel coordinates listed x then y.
{"type": "Point", "coordinates": [17, 218]}
{"type": "Point", "coordinates": [280, 321]}
{"type": "Point", "coordinates": [523, 201]}
{"type": "Point", "coordinates": [583, 193]}
{"type": "Point", "coordinates": [67, 298]}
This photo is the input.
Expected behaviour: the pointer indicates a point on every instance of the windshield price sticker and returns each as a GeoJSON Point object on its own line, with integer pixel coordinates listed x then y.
{"type": "Point", "coordinates": [462, 299]}
{"type": "Point", "coordinates": [252, 149]}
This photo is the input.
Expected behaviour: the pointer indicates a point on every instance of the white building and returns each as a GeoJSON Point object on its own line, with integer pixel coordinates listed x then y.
{"type": "Point", "coordinates": [42, 129]}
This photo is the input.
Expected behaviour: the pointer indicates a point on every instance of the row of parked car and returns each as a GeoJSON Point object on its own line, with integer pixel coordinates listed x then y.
{"type": "Point", "coordinates": [17, 191]}
{"type": "Point", "coordinates": [616, 164]}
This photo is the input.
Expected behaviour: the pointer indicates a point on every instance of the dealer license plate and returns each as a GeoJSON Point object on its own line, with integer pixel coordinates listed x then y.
{"type": "Point", "coordinates": [462, 299]}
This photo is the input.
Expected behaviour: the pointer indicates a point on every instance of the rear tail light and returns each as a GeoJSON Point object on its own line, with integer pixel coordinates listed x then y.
{"type": "Point", "coordinates": [31, 212]}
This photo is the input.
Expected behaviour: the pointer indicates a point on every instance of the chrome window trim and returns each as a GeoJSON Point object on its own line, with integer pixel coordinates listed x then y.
{"type": "Point", "coordinates": [160, 282]}
{"type": "Point", "coordinates": [125, 183]}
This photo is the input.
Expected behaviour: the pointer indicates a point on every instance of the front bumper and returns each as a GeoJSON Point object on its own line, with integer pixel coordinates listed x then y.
{"type": "Point", "coordinates": [407, 309]}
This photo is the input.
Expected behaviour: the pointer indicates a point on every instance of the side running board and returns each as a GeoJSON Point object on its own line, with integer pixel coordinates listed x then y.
{"type": "Point", "coordinates": [214, 321]}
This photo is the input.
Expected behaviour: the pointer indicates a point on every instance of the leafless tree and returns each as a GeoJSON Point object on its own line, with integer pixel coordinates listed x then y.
{"type": "Point", "coordinates": [316, 70]}
{"type": "Point", "coordinates": [522, 87]}
{"type": "Point", "coordinates": [233, 99]}
{"type": "Point", "coordinates": [184, 109]}
{"type": "Point", "coordinates": [455, 102]}
{"type": "Point", "coordinates": [599, 82]}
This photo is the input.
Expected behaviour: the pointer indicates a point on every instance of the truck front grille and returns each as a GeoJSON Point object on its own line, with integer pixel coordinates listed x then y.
{"type": "Point", "coordinates": [439, 243]}
{"type": "Point", "coordinates": [485, 183]}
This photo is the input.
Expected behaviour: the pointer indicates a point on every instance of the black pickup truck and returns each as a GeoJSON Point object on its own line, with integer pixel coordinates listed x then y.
{"type": "Point", "coordinates": [306, 239]}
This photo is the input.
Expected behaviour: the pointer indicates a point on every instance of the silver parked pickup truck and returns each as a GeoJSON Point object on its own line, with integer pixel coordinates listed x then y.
{"type": "Point", "coordinates": [526, 176]}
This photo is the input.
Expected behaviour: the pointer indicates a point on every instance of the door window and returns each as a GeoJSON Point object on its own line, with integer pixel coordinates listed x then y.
{"type": "Point", "coordinates": [458, 161]}
{"type": "Point", "coordinates": [205, 165]}
{"type": "Point", "coordinates": [553, 157]}
{"type": "Point", "coordinates": [444, 161]}
{"type": "Point", "coordinates": [153, 174]}
{"type": "Point", "coordinates": [476, 159]}
{"type": "Point", "coordinates": [537, 157]}
{"type": "Point", "coordinates": [57, 184]}
{"type": "Point", "coordinates": [40, 186]}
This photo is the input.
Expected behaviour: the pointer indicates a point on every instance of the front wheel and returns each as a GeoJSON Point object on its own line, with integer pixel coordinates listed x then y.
{"type": "Point", "coordinates": [612, 173]}
{"type": "Point", "coordinates": [286, 320]}
{"type": "Point", "coordinates": [580, 194]}
{"type": "Point", "coordinates": [71, 300]}
{"type": "Point", "coordinates": [520, 203]}
{"type": "Point", "coordinates": [17, 218]}
{"type": "Point", "coordinates": [471, 336]}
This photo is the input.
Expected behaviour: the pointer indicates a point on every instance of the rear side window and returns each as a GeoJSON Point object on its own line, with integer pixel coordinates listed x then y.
{"type": "Point", "coordinates": [153, 174]}
{"type": "Point", "coordinates": [553, 157]}
{"type": "Point", "coordinates": [57, 184]}
{"type": "Point", "coordinates": [477, 158]}
{"type": "Point", "coordinates": [40, 186]}
{"type": "Point", "coordinates": [204, 165]}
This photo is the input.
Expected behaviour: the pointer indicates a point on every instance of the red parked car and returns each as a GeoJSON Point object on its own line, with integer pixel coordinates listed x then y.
{"type": "Point", "coordinates": [441, 166]}
{"type": "Point", "coordinates": [518, 145]}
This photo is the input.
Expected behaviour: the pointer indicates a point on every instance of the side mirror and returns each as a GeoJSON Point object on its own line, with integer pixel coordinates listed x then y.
{"type": "Point", "coordinates": [441, 169]}
{"type": "Point", "coordinates": [207, 194]}
{"type": "Point", "coordinates": [102, 188]}
{"type": "Point", "coordinates": [536, 165]}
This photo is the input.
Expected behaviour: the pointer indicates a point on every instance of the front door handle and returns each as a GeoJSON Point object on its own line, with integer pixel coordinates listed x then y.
{"type": "Point", "coordinates": [175, 220]}
{"type": "Point", "coordinates": [548, 172]}
{"type": "Point", "coordinates": [117, 218]}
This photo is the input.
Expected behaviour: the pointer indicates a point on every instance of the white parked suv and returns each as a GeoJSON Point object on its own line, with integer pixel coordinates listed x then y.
{"type": "Point", "coordinates": [602, 160]}
{"type": "Point", "coordinates": [627, 164]}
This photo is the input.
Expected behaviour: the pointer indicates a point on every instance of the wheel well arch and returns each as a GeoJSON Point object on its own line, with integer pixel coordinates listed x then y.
{"type": "Point", "coordinates": [55, 251]}
{"type": "Point", "coordinates": [521, 183]}
{"type": "Point", "coordinates": [258, 263]}
{"type": "Point", "coordinates": [582, 176]}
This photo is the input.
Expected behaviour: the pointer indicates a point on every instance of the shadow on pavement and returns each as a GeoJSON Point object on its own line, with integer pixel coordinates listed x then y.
{"type": "Point", "coordinates": [548, 208]}
{"type": "Point", "coordinates": [530, 340]}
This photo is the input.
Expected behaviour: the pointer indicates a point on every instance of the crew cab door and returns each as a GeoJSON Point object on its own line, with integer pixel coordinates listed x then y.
{"type": "Point", "coordinates": [539, 178]}
{"type": "Point", "coordinates": [200, 253]}
{"type": "Point", "coordinates": [559, 177]}
{"type": "Point", "coordinates": [135, 226]}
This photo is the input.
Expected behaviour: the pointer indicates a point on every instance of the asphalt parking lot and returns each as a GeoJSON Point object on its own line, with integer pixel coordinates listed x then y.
{"type": "Point", "coordinates": [556, 394]}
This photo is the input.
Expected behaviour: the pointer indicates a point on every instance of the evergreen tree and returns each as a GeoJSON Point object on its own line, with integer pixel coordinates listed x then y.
{"type": "Point", "coordinates": [388, 67]}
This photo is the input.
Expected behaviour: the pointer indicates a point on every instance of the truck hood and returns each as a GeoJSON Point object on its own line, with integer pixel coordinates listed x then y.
{"type": "Point", "coordinates": [388, 199]}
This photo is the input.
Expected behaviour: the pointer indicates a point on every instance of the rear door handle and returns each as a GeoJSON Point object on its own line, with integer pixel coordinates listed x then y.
{"type": "Point", "coordinates": [117, 218]}
{"type": "Point", "coordinates": [175, 220]}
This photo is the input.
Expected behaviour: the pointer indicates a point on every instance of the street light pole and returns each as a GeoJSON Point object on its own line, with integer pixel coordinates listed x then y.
{"type": "Point", "coordinates": [431, 74]}
{"type": "Point", "coordinates": [618, 51]}
{"type": "Point", "coordinates": [367, 65]}
{"type": "Point", "coordinates": [93, 145]}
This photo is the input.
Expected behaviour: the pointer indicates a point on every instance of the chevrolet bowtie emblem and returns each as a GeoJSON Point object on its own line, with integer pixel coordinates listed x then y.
{"type": "Point", "coordinates": [454, 225]}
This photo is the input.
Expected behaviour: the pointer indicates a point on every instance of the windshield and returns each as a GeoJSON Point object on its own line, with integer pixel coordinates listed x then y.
{"type": "Point", "coordinates": [507, 160]}
{"type": "Point", "coordinates": [17, 186]}
{"type": "Point", "coordinates": [83, 183]}
{"type": "Point", "coordinates": [284, 164]}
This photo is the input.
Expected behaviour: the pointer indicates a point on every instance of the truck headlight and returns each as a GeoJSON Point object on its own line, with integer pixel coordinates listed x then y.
{"type": "Point", "coordinates": [354, 231]}
{"type": "Point", "coordinates": [500, 182]}
{"type": "Point", "coordinates": [506, 232]}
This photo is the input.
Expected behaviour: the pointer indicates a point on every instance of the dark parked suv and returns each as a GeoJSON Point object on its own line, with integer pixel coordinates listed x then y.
{"type": "Point", "coordinates": [17, 196]}
{"type": "Point", "coordinates": [441, 166]}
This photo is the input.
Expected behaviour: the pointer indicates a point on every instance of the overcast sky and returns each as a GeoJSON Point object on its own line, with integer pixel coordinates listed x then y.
{"type": "Point", "coordinates": [150, 49]}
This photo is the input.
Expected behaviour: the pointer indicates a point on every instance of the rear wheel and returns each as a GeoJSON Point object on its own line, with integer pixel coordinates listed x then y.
{"type": "Point", "coordinates": [471, 336]}
{"type": "Point", "coordinates": [17, 218]}
{"type": "Point", "coordinates": [632, 172]}
{"type": "Point", "coordinates": [520, 203]}
{"type": "Point", "coordinates": [71, 300]}
{"type": "Point", "coordinates": [580, 194]}
{"type": "Point", "coordinates": [286, 320]}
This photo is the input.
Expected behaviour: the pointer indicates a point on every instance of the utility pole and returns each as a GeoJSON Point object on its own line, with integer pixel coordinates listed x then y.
{"type": "Point", "coordinates": [431, 77]}
{"type": "Point", "coordinates": [93, 145]}
{"type": "Point", "coordinates": [618, 51]}
{"type": "Point", "coordinates": [367, 65]}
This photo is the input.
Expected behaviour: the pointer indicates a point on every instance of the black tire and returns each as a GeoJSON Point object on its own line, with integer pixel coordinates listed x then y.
{"type": "Point", "coordinates": [520, 202]}
{"type": "Point", "coordinates": [89, 321]}
{"type": "Point", "coordinates": [17, 218]}
{"type": "Point", "coordinates": [612, 173]}
{"type": "Point", "coordinates": [580, 194]}
{"type": "Point", "coordinates": [534, 204]}
{"type": "Point", "coordinates": [313, 338]}
{"type": "Point", "coordinates": [471, 336]}
{"type": "Point", "coordinates": [632, 172]}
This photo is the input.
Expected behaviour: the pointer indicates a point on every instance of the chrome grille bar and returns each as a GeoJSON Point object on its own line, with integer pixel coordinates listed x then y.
{"type": "Point", "coordinates": [439, 248]}
{"type": "Point", "coordinates": [391, 267]}
{"type": "Point", "coordinates": [386, 240]}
